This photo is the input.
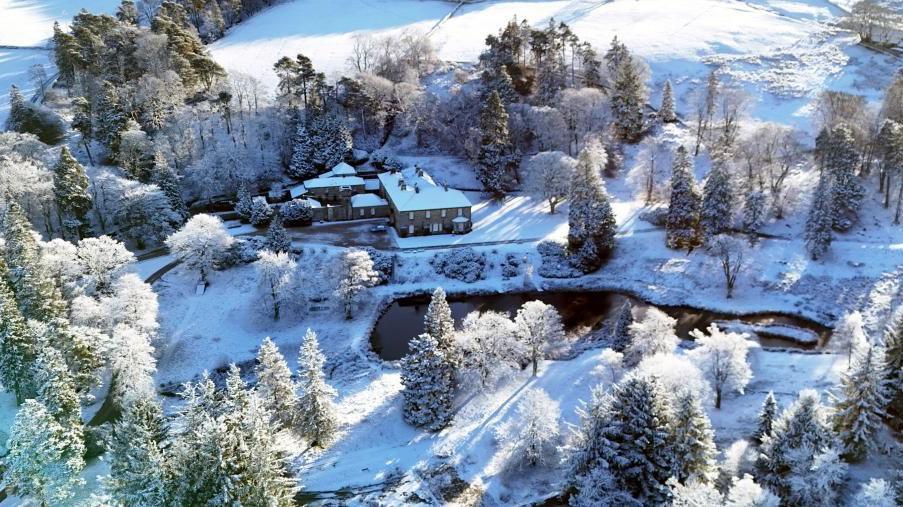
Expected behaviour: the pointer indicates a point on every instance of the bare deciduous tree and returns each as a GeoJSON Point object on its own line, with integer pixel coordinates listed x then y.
{"type": "Point", "coordinates": [729, 252]}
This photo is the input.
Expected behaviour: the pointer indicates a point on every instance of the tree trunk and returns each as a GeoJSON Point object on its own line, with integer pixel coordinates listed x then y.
{"type": "Point", "coordinates": [718, 398]}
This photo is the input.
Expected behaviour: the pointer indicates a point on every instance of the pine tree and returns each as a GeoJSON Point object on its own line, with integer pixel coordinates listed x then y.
{"type": "Point", "coordinates": [264, 478]}
{"type": "Point", "coordinates": [860, 404]}
{"type": "Point", "coordinates": [18, 349]}
{"type": "Point", "coordinates": [620, 334]}
{"type": "Point", "coordinates": [628, 100]}
{"type": "Point", "coordinates": [195, 451]}
{"type": "Point", "coordinates": [428, 384]}
{"type": "Point", "coordinates": [767, 416]}
{"type": "Point", "coordinates": [275, 385]}
{"type": "Point", "coordinates": [56, 391]}
{"type": "Point", "coordinates": [666, 111]}
{"type": "Point", "coordinates": [627, 435]}
{"type": "Point", "coordinates": [168, 181]}
{"type": "Point", "coordinates": [840, 162]}
{"type": "Point", "coordinates": [83, 123]}
{"type": "Point", "coordinates": [549, 78]}
{"type": "Point", "coordinates": [717, 203]}
{"type": "Point", "coordinates": [317, 420]}
{"type": "Point", "coordinates": [683, 222]}
{"type": "Point", "coordinates": [893, 362]}
{"type": "Point", "coordinates": [754, 214]}
{"type": "Point", "coordinates": [17, 110]}
{"type": "Point", "coordinates": [42, 462]}
{"type": "Point", "coordinates": [320, 143]}
{"type": "Point", "coordinates": [498, 80]}
{"type": "Point", "coordinates": [244, 202]}
{"type": "Point", "coordinates": [127, 13]}
{"type": "Point", "coordinates": [303, 161]}
{"type": "Point", "coordinates": [819, 221]}
{"type": "Point", "coordinates": [693, 441]}
{"type": "Point", "coordinates": [496, 159]}
{"type": "Point", "coordinates": [591, 221]}
{"type": "Point", "coordinates": [36, 294]}
{"type": "Point", "coordinates": [277, 239]}
{"type": "Point", "coordinates": [439, 324]}
{"type": "Point", "coordinates": [80, 355]}
{"type": "Point", "coordinates": [70, 186]}
{"type": "Point", "coordinates": [109, 120]}
{"type": "Point", "coordinates": [135, 451]}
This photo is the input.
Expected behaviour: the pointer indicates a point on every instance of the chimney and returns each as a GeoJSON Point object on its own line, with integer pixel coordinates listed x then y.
{"type": "Point", "coordinates": [416, 188]}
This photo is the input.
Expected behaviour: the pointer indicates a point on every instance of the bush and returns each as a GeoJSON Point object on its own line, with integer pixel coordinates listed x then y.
{"type": "Point", "coordinates": [511, 266]}
{"type": "Point", "coordinates": [555, 261]}
{"type": "Point", "coordinates": [261, 213]}
{"type": "Point", "coordinates": [463, 264]}
{"type": "Point", "coordinates": [41, 122]}
{"type": "Point", "coordinates": [657, 217]}
{"type": "Point", "coordinates": [383, 264]}
{"type": "Point", "coordinates": [297, 212]}
{"type": "Point", "coordinates": [243, 251]}
{"type": "Point", "coordinates": [381, 160]}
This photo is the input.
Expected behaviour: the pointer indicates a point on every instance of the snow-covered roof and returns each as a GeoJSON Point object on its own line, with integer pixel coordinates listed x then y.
{"type": "Point", "coordinates": [367, 201]}
{"type": "Point", "coordinates": [297, 191]}
{"type": "Point", "coordinates": [371, 184]}
{"type": "Point", "coordinates": [313, 203]}
{"type": "Point", "coordinates": [409, 191]}
{"type": "Point", "coordinates": [336, 181]}
{"type": "Point", "coordinates": [343, 169]}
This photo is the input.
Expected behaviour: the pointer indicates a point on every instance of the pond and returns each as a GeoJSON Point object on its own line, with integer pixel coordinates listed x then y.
{"type": "Point", "coordinates": [580, 312]}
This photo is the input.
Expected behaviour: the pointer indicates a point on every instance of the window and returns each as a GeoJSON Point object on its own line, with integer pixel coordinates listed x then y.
{"type": "Point", "coordinates": [411, 216]}
{"type": "Point", "coordinates": [443, 213]}
{"type": "Point", "coordinates": [372, 211]}
{"type": "Point", "coordinates": [362, 211]}
{"type": "Point", "coordinates": [427, 214]}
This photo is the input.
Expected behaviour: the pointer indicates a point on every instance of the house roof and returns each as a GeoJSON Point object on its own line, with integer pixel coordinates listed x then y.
{"type": "Point", "coordinates": [371, 184]}
{"type": "Point", "coordinates": [343, 169]}
{"type": "Point", "coordinates": [419, 192]}
{"type": "Point", "coordinates": [313, 202]}
{"type": "Point", "coordinates": [335, 181]}
{"type": "Point", "coordinates": [367, 200]}
{"type": "Point", "coordinates": [297, 191]}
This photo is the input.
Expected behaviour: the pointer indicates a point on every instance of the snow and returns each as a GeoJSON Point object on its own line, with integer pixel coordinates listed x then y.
{"type": "Point", "coordinates": [334, 181]}
{"type": "Point", "coordinates": [367, 200]}
{"type": "Point", "coordinates": [30, 22]}
{"type": "Point", "coordinates": [342, 169]}
{"type": "Point", "coordinates": [297, 191]}
{"type": "Point", "coordinates": [419, 192]}
{"type": "Point", "coordinates": [14, 65]}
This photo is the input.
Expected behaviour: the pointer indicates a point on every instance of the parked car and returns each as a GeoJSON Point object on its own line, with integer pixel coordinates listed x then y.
{"type": "Point", "coordinates": [378, 228]}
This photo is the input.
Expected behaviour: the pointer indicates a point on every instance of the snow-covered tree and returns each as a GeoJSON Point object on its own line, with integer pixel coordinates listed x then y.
{"type": "Point", "coordinates": [548, 177]}
{"type": "Point", "coordinates": [275, 385]}
{"type": "Point", "coordinates": [677, 375]}
{"type": "Point", "coordinates": [717, 202]}
{"type": "Point", "coordinates": [611, 366]}
{"type": "Point", "coordinates": [264, 477]}
{"type": "Point", "coordinates": [42, 463]}
{"type": "Point", "coordinates": [729, 252]}
{"type": "Point", "coordinates": [135, 451]}
{"type": "Point", "coordinates": [875, 493]}
{"type": "Point", "coordinates": [722, 357]}
{"type": "Point", "coordinates": [694, 494]}
{"type": "Point", "coordinates": [101, 260]}
{"type": "Point", "coordinates": [537, 325]}
{"type": "Point", "coordinates": [766, 418]}
{"type": "Point", "coordinates": [490, 345]}
{"type": "Point", "coordinates": [133, 364]}
{"type": "Point", "coordinates": [693, 441]}
{"type": "Point", "coordinates": [355, 275]}
{"type": "Point", "coordinates": [860, 402]}
{"type": "Point", "coordinates": [849, 334]}
{"type": "Point", "coordinates": [201, 243]}
{"type": "Point", "coordinates": [261, 213]}
{"type": "Point", "coordinates": [133, 150]}
{"type": "Point", "coordinates": [653, 334]}
{"type": "Point", "coordinates": [36, 292]}
{"type": "Point", "coordinates": [439, 323]}
{"type": "Point", "coordinates": [584, 112]}
{"type": "Point", "coordinates": [625, 436]}
{"type": "Point", "coordinates": [620, 330]}
{"type": "Point", "coordinates": [276, 273]}
{"type": "Point", "coordinates": [746, 493]}
{"type": "Point", "coordinates": [683, 224]}
{"type": "Point", "coordinates": [666, 110]}
{"type": "Point", "coordinates": [893, 362]}
{"type": "Point", "coordinates": [535, 432]}
{"type": "Point", "coordinates": [320, 143]}
{"type": "Point", "coordinates": [428, 382]}
{"type": "Point", "coordinates": [820, 220]}
{"type": "Point", "coordinates": [591, 221]}
{"type": "Point", "coordinates": [815, 479]}
{"type": "Point", "coordinates": [317, 419]}
{"type": "Point", "coordinates": [167, 181]}
{"type": "Point", "coordinates": [277, 239]}
{"type": "Point", "coordinates": [840, 161]}
{"type": "Point", "coordinates": [143, 213]}
{"type": "Point", "coordinates": [496, 158]}
{"type": "Point", "coordinates": [754, 214]}
{"type": "Point", "coordinates": [134, 304]}
{"type": "Point", "coordinates": [70, 186]}
{"type": "Point", "coordinates": [244, 202]}
{"type": "Point", "coordinates": [18, 348]}
{"type": "Point", "coordinates": [628, 98]}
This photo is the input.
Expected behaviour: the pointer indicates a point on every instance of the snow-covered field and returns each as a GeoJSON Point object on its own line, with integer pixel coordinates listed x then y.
{"type": "Point", "coordinates": [30, 22]}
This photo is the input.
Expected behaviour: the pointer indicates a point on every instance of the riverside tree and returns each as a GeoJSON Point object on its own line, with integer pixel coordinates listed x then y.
{"type": "Point", "coordinates": [651, 335]}
{"type": "Point", "coordinates": [538, 324]}
{"type": "Point", "coordinates": [683, 221]}
{"type": "Point", "coordinates": [355, 275]}
{"type": "Point", "coordinates": [201, 243]}
{"type": "Point", "coordinates": [591, 221]}
{"type": "Point", "coordinates": [693, 441]}
{"type": "Point", "coordinates": [428, 382]}
{"type": "Point", "coordinates": [722, 358]}
{"type": "Point", "coordinates": [317, 419]}
{"type": "Point", "coordinates": [729, 252]}
{"type": "Point", "coordinates": [717, 209]}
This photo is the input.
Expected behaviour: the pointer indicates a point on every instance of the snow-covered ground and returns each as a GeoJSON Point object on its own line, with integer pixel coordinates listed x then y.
{"type": "Point", "coordinates": [30, 22]}
{"type": "Point", "coordinates": [14, 67]}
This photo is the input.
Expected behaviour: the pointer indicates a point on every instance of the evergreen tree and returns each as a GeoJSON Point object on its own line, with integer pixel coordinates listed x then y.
{"type": "Point", "coordinates": [754, 214]}
{"type": "Point", "coordinates": [683, 220]}
{"type": "Point", "coordinates": [860, 404]}
{"type": "Point", "coordinates": [439, 324]}
{"type": "Point", "coordinates": [628, 100]}
{"type": "Point", "coordinates": [620, 334]}
{"type": "Point", "coordinates": [549, 78]}
{"type": "Point", "coordinates": [693, 441]}
{"type": "Point", "coordinates": [109, 120]}
{"type": "Point", "coordinates": [80, 355]}
{"type": "Point", "coordinates": [56, 391]}
{"type": "Point", "coordinates": [65, 54]}
{"type": "Point", "coordinates": [320, 143]}
{"type": "Point", "coordinates": [591, 221]}
{"type": "Point", "coordinates": [127, 13]}
{"type": "Point", "coordinates": [840, 162]}
{"type": "Point", "coordinates": [263, 477]}
{"type": "Point", "coordinates": [819, 221]}
{"type": "Point", "coordinates": [168, 181]}
{"type": "Point", "coordinates": [42, 461]}
{"type": "Point", "coordinates": [303, 161]}
{"type": "Point", "coordinates": [195, 451]}
{"type": "Point", "coordinates": [627, 436]}
{"type": "Point", "coordinates": [17, 110]}
{"type": "Point", "coordinates": [275, 385]}
{"type": "Point", "coordinates": [135, 451]}
{"type": "Point", "coordinates": [428, 384]}
{"type": "Point", "coordinates": [18, 349]}
{"type": "Point", "coordinates": [244, 202]}
{"type": "Point", "coordinates": [893, 362]}
{"type": "Point", "coordinates": [496, 159]}
{"type": "Point", "coordinates": [83, 123]}
{"type": "Point", "coordinates": [767, 416]}
{"type": "Point", "coordinates": [277, 239]}
{"type": "Point", "coordinates": [70, 186]}
{"type": "Point", "coordinates": [666, 111]}
{"type": "Point", "coordinates": [717, 203]}
{"type": "Point", "coordinates": [498, 80]}
{"type": "Point", "coordinates": [36, 294]}
{"type": "Point", "coordinates": [592, 67]}
{"type": "Point", "coordinates": [317, 420]}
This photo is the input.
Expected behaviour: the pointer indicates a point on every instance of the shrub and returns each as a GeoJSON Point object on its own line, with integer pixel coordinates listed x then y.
{"type": "Point", "coordinates": [511, 266]}
{"type": "Point", "coordinates": [42, 122]}
{"type": "Point", "coordinates": [261, 214]}
{"type": "Point", "coordinates": [555, 261]}
{"type": "Point", "coordinates": [297, 212]}
{"type": "Point", "coordinates": [383, 264]}
{"type": "Point", "coordinates": [657, 217]}
{"type": "Point", "coordinates": [464, 264]}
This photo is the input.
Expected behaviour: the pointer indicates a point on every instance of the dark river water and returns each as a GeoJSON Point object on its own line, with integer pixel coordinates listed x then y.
{"type": "Point", "coordinates": [580, 312]}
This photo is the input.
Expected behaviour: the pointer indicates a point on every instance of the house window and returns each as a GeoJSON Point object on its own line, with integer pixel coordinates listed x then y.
{"type": "Point", "coordinates": [443, 213]}
{"type": "Point", "coordinates": [411, 216]}
{"type": "Point", "coordinates": [460, 212]}
{"type": "Point", "coordinates": [372, 212]}
{"type": "Point", "coordinates": [427, 214]}
{"type": "Point", "coordinates": [437, 227]}
{"type": "Point", "coordinates": [362, 211]}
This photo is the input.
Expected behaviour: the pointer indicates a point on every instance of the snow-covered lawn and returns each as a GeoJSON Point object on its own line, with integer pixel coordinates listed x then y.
{"type": "Point", "coordinates": [30, 22]}
{"type": "Point", "coordinates": [14, 66]}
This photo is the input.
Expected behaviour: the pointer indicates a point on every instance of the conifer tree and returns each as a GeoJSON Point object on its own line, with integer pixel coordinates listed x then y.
{"type": "Point", "coordinates": [277, 239]}
{"type": "Point", "coordinates": [135, 451]}
{"type": "Point", "coordinates": [627, 437]}
{"type": "Point", "coordinates": [303, 161]}
{"type": "Point", "coordinates": [17, 110]}
{"type": "Point", "coordinates": [498, 80]}
{"type": "Point", "coordinates": [819, 220]}
{"type": "Point", "coordinates": [683, 222]}
{"type": "Point", "coordinates": [860, 403]}
{"type": "Point", "coordinates": [168, 181]}
{"type": "Point", "coordinates": [840, 162]}
{"type": "Point", "coordinates": [767, 416]}
{"type": "Point", "coordinates": [628, 99]}
{"type": "Point", "coordinates": [244, 202]}
{"type": "Point", "coordinates": [893, 362]}
{"type": "Point", "coordinates": [263, 477]}
{"type": "Point", "coordinates": [496, 159]}
{"type": "Point", "coordinates": [717, 203]}
{"type": "Point", "coordinates": [83, 123]}
{"type": "Point", "coordinates": [693, 441]}
{"type": "Point", "coordinates": [591, 221]}
{"type": "Point", "coordinates": [109, 120]}
{"type": "Point", "coordinates": [42, 463]}
{"type": "Point", "coordinates": [317, 421]}
{"type": "Point", "coordinates": [620, 334]}
{"type": "Point", "coordinates": [275, 385]}
{"type": "Point", "coordinates": [56, 391]}
{"type": "Point", "coordinates": [195, 451]}
{"type": "Point", "coordinates": [666, 111]}
{"type": "Point", "coordinates": [70, 186]}
{"type": "Point", "coordinates": [127, 13]}
{"type": "Point", "coordinates": [428, 384]}
{"type": "Point", "coordinates": [18, 349]}
{"type": "Point", "coordinates": [439, 324]}
{"type": "Point", "coordinates": [754, 214]}
{"type": "Point", "coordinates": [35, 292]}
{"type": "Point", "coordinates": [80, 355]}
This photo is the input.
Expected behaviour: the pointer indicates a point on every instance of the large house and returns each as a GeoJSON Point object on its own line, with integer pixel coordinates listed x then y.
{"type": "Point", "coordinates": [411, 200]}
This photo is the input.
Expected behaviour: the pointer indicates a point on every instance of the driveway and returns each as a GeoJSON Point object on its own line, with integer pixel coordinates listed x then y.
{"type": "Point", "coordinates": [354, 233]}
